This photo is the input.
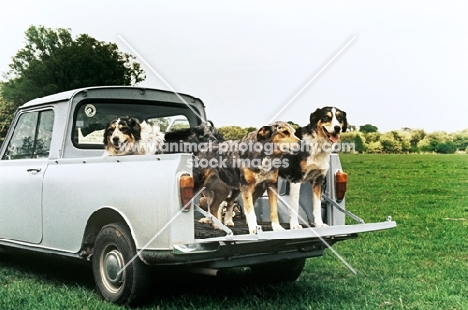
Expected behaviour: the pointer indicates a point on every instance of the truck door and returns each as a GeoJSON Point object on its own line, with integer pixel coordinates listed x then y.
{"type": "Point", "coordinates": [22, 168]}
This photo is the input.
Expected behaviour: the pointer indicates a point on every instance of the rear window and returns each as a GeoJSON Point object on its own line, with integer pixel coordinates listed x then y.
{"type": "Point", "coordinates": [92, 117]}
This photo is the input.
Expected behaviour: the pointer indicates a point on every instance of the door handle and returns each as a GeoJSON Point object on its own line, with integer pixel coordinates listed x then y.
{"type": "Point", "coordinates": [35, 170]}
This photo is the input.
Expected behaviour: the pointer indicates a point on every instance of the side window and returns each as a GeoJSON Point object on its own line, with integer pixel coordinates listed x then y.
{"type": "Point", "coordinates": [32, 136]}
{"type": "Point", "coordinates": [44, 134]}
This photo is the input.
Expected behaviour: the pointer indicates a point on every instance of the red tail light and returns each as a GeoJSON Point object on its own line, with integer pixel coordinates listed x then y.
{"type": "Point", "coordinates": [341, 182]}
{"type": "Point", "coordinates": [186, 190]}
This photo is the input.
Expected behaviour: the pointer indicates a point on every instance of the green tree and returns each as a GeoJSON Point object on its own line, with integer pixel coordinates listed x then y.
{"type": "Point", "coordinates": [368, 128]}
{"type": "Point", "coordinates": [461, 139]}
{"type": "Point", "coordinates": [389, 143]}
{"type": "Point", "coordinates": [250, 129]}
{"type": "Point", "coordinates": [374, 147]}
{"type": "Point", "coordinates": [359, 145]}
{"type": "Point", "coordinates": [447, 147]}
{"type": "Point", "coordinates": [403, 137]}
{"type": "Point", "coordinates": [372, 137]}
{"type": "Point", "coordinates": [427, 145]}
{"type": "Point", "coordinates": [431, 141]}
{"type": "Point", "coordinates": [6, 117]}
{"type": "Point", "coordinates": [53, 61]}
{"type": "Point", "coordinates": [416, 135]}
{"type": "Point", "coordinates": [356, 138]}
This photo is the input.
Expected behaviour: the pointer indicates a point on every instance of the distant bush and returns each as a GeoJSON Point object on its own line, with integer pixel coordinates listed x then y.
{"type": "Point", "coordinates": [461, 139]}
{"type": "Point", "coordinates": [234, 132]}
{"type": "Point", "coordinates": [448, 147]}
{"type": "Point", "coordinates": [374, 147]}
{"type": "Point", "coordinates": [372, 137]}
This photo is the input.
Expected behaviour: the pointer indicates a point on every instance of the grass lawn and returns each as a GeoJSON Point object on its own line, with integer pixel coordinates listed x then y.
{"type": "Point", "coordinates": [422, 264]}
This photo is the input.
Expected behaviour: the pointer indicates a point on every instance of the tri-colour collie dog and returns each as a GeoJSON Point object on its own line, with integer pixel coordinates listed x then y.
{"type": "Point", "coordinates": [126, 136]}
{"type": "Point", "coordinates": [249, 165]}
{"type": "Point", "coordinates": [312, 165]}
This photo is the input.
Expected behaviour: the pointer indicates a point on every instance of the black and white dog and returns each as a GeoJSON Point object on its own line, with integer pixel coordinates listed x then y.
{"type": "Point", "coordinates": [311, 165]}
{"type": "Point", "coordinates": [127, 136]}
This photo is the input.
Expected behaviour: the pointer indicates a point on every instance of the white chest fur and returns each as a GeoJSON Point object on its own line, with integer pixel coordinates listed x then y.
{"type": "Point", "coordinates": [319, 156]}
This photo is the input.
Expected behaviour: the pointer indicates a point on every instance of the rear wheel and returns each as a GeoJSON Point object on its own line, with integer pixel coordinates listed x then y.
{"type": "Point", "coordinates": [120, 276]}
{"type": "Point", "coordinates": [286, 271]}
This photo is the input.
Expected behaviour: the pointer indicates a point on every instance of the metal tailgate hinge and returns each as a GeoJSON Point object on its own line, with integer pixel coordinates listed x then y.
{"type": "Point", "coordinates": [336, 205]}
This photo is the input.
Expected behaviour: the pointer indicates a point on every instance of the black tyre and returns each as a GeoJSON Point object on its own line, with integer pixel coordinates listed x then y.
{"type": "Point", "coordinates": [286, 271]}
{"type": "Point", "coordinates": [113, 250]}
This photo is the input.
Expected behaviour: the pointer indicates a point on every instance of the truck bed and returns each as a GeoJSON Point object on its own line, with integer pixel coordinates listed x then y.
{"type": "Point", "coordinates": [204, 231]}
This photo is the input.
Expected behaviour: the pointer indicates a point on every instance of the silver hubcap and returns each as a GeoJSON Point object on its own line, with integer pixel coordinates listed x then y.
{"type": "Point", "coordinates": [111, 263]}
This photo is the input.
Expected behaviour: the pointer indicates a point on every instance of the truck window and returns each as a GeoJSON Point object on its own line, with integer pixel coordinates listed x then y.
{"type": "Point", "coordinates": [91, 118]}
{"type": "Point", "coordinates": [32, 136]}
{"type": "Point", "coordinates": [177, 122]}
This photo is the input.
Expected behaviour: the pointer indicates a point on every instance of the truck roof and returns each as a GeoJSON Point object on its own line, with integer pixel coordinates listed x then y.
{"type": "Point", "coordinates": [66, 95]}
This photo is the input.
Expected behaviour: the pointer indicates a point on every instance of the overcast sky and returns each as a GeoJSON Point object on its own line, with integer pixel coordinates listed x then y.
{"type": "Point", "coordinates": [406, 67]}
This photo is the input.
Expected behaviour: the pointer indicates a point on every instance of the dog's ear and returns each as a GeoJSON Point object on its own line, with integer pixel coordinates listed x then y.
{"type": "Point", "coordinates": [208, 128]}
{"type": "Point", "coordinates": [105, 133]}
{"type": "Point", "coordinates": [210, 132]}
{"type": "Point", "coordinates": [264, 133]}
{"type": "Point", "coordinates": [315, 117]}
{"type": "Point", "coordinates": [135, 127]}
{"type": "Point", "coordinates": [345, 122]}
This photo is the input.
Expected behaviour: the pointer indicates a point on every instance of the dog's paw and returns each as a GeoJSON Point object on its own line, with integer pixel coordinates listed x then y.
{"type": "Point", "coordinates": [229, 223]}
{"type": "Point", "coordinates": [320, 225]}
{"type": "Point", "coordinates": [251, 220]}
{"type": "Point", "coordinates": [294, 224]}
{"type": "Point", "coordinates": [277, 227]}
{"type": "Point", "coordinates": [298, 226]}
{"type": "Point", "coordinates": [205, 220]}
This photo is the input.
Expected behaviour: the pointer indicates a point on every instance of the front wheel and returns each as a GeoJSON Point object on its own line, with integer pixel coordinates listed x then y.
{"type": "Point", "coordinates": [120, 276]}
{"type": "Point", "coordinates": [286, 271]}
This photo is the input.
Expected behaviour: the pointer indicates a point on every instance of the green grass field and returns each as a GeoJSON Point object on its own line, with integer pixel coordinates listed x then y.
{"type": "Point", "coordinates": [422, 264]}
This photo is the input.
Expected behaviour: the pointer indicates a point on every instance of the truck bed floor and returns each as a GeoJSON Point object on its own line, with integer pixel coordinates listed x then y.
{"type": "Point", "coordinates": [203, 231]}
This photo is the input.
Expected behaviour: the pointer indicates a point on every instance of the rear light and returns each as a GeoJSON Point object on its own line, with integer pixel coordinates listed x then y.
{"type": "Point", "coordinates": [341, 182]}
{"type": "Point", "coordinates": [186, 191]}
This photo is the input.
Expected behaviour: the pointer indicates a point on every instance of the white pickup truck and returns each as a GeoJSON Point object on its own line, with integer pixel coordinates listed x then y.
{"type": "Point", "coordinates": [59, 195]}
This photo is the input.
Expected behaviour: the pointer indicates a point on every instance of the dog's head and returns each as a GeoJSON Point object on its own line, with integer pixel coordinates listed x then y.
{"type": "Point", "coordinates": [205, 133]}
{"type": "Point", "coordinates": [281, 135]}
{"type": "Point", "coordinates": [329, 122]}
{"type": "Point", "coordinates": [121, 132]}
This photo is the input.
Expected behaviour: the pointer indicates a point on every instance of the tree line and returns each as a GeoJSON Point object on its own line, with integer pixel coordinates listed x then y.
{"type": "Point", "coordinates": [407, 140]}
{"type": "Point", "coordinates": [367, 139]}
